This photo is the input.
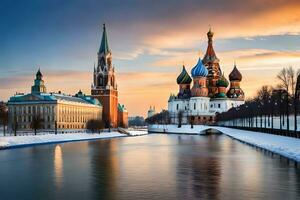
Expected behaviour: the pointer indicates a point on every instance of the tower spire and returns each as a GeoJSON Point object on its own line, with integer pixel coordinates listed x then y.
{"type": "Point", "coordinates": [104, 42]}
{"type": "Point", "coordinates": [210, 55]}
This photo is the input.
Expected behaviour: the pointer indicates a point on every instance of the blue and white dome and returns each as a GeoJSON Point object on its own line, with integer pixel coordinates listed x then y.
{"type": "Point", "coordinates": [199, 69]}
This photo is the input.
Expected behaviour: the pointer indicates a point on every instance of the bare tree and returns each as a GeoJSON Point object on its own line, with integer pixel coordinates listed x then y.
{"type": "Point", "coordinates": [15, 125]}
{"type": "Point", "coordinates": [191, 121]}
{"type": "Point", "coordinates": [95, 125]}
{"type": "Point", "coordinates": [3, 117]}
{"type": "Point", "coordinates": [180, 117]}
{"type": "Point", "coordinates": [287, 77]}
{"type": "Point", "coordinates": [36, 123]}
{"type": "Point", "coordinates": [296, 100]}
{"type": "Point", "coordinates": [263, 96]}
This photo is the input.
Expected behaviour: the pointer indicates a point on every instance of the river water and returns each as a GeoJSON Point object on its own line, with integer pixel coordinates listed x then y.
{"type": "Point", "coordinates": [147, 167]}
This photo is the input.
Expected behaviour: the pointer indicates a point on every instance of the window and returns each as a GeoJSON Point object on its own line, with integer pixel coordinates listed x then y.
{"type": "Point", "coordinates": [194, 106]}
{"type": "Point", "coordinates": [177, 107]}
{"type": "Point", "coordinates": [219, 105]}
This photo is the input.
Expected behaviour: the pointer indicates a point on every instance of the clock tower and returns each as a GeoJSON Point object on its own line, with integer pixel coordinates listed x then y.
{"type": "Point", "coordinates": [104, 86]}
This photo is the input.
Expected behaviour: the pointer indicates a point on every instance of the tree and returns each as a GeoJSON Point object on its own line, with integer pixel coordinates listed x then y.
{"type": "Point", "coordinates": [95, 125]}
{"type": "Point", "coordinates": [287, 81]}
{"type": "Point", "coordinates": [296, 100]}
{"type": "Point", "coordinates": [3, 116]}
{"type": "Point", "coordinates": [191, 121]}
{"type": "Point", "coordinates": [263, 96]}
{"type": "Point", "coordinates": [136, 121]}
{"type": "Point", "coordinates": [15, 125]}
{"type": "Point", "coordinates": [36, 123]}
{"type": "Point", "coordinates": [180, 117]}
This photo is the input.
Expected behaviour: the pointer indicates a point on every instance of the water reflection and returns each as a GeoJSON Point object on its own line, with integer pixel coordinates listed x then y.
{"type": "Point", "coordinates": [199, 175]}
{"type": "Point", "coordinates": [147, 167]}
{"type": "Point", "coordinates": [105, 168]}
{"type": "Point", "coordinates": [58, 166]}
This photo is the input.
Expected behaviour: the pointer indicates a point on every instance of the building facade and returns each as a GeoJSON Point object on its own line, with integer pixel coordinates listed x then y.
{"type": "Point", "coordinates": [209, 94]}
{"type": "Point", "coordinates": [54, 110]}
{"type": "Point", "coordinates": [104, 87]}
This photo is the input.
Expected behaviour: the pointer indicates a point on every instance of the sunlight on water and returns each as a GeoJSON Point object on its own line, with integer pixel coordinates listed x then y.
{"type": "Point", "coordinates": [58, 166]}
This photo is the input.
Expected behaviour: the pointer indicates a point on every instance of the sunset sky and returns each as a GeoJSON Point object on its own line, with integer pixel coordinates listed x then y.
{"type": "Point", "coordinates": [149, 39]}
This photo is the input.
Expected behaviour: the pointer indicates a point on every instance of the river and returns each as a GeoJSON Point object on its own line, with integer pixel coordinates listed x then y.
{"type": "Point", "coordinates": [154, 166]}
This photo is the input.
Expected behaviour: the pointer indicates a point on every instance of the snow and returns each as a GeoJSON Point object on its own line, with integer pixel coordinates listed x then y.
{"type": "Point", "coordinates": [18, 141]}
{"type": "Point", "coordinates": [171, 128]}
{"type": "Point", "coordinates": [138, 132]}
{"type": "Point", "coordinates": [286, 146]}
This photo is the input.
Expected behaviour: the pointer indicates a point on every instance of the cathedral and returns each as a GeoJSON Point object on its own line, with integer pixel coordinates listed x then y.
{"type": "Point", "coordinates": [104, 87]}
{"type": "Point", "coordinates": [209, 94]}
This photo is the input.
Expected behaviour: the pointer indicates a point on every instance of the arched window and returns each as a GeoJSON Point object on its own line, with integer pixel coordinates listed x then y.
{"type": "Point", "coordinates": [100, 80]}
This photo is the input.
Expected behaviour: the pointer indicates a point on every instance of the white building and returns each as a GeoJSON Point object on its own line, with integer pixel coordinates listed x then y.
{"type": "Point", "coordinates": [151, 111]}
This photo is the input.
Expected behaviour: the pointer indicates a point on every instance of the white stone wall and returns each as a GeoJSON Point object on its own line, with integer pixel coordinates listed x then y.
{"type": "Point", "coordinates": [199, 106]}
{"type": "Point", "coordinates": [223, 105]}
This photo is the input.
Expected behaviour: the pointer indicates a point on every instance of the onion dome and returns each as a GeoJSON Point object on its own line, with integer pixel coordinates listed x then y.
{"type": "Point", "coordinates": [199, 69]}
{"type": "Point", "coordinates": [184, 77]}
{"type": "Point", "coordinates": [235, 75]}
{"type": "Point", "coordinates": [222, 82]}
{"type": "Point", "coordinates": [210, 34]}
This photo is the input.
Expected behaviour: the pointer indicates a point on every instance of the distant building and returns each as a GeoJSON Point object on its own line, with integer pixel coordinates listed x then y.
{"type": "Point", "coordinates": [54, 109]}
{"type": "Point", "coordinates": [209, 94]}
{"type": "Point", "coordinates": [151, 111]}
{"type": "Point", "coordinates": [104, 86]}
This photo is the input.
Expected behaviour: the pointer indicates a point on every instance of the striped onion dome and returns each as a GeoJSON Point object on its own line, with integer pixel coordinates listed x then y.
{"type": "Point", "coordinates": [222, 82]}
{"type": "Point", "coordinates": [199, 69]}
{"type": "Point", "coordinates": [184, 77]}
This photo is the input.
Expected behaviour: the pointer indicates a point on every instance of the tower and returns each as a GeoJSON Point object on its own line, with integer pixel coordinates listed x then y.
{"type": "Point", "coordinates": [211, 61]}
{"type": "Point", "coordinates": [39, 86]}
{"type": "Point", "coordinates": [199, 73]}
{"type": "Point", "coordinates": [222, 85]}
{"type": "Point", "coordinates": [104, 86]}
{"type": "Point", "coordinates": [184, 81]}
{"type": "Point", "coordinates": [235, 90]}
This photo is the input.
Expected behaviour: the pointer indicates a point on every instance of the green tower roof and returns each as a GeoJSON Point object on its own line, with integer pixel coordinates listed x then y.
{"type": "Point", "coordinates": [104, 42]}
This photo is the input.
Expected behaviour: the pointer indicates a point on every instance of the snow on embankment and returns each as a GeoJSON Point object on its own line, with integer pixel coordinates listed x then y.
{"type": "Point", "coordinates": [137, 132]}
{"type": "Point", "coordinates": [171, 128]}
{"type": "Point", "coordinates": [18, 141]}
{"type": "Point", "coordinates": [285, 146]}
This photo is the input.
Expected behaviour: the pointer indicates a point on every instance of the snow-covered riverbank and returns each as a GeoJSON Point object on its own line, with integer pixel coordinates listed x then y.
{"type": "Point", "coordinates": [285, 146]}
{"type": "Point", "coordinates": [20, 141]}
